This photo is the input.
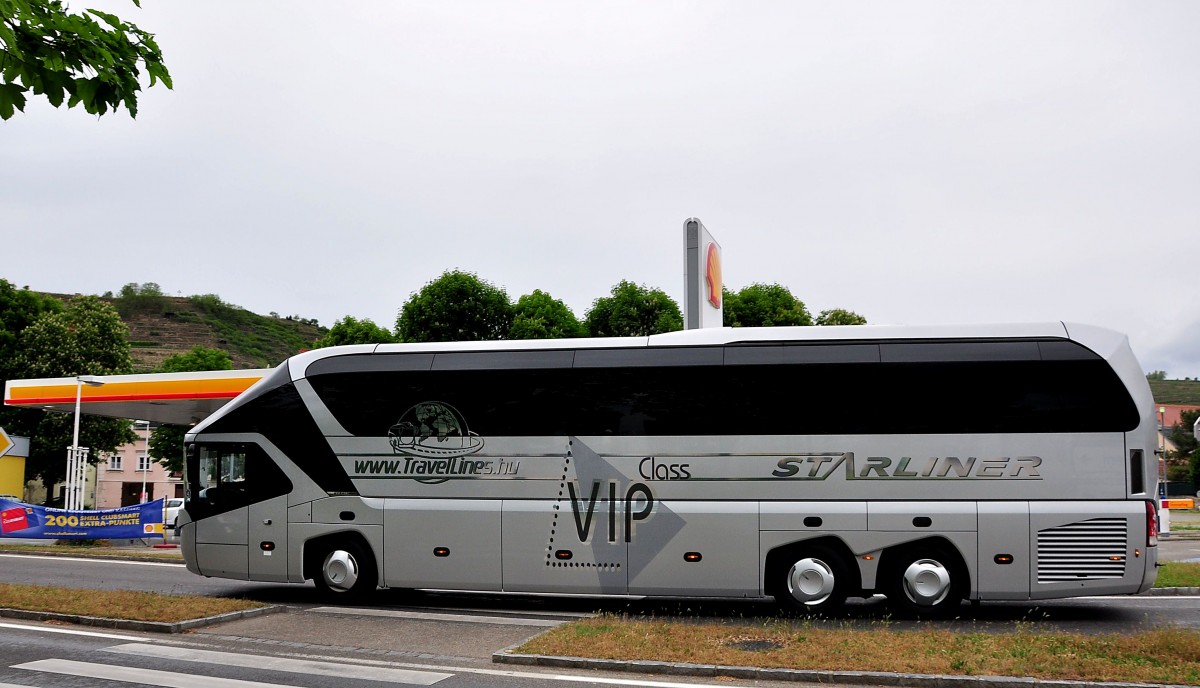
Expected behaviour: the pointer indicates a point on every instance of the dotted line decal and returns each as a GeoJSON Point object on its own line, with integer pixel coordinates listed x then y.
{"type": "Point", "coordinates": [562, 488]}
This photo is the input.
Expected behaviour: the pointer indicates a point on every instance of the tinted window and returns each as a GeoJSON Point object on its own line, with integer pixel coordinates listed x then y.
{"type": "Point", "coordinates": [222, 477]}
{"type": "Point", "coordinates": [280, 415]}
{"type": "Point", "coordinates": [492, 402]}
{"type": "Point", "coordinates": [802, 389]}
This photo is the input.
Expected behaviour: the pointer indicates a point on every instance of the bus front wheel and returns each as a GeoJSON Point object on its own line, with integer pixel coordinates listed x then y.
{"type": "Point", "coordinates": [815, 582]}
{"type": "Point", "coordinates": [345, 572]}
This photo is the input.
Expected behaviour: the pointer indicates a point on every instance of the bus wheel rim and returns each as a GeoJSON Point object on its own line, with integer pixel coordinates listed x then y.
{"type": "Point", "coordinates": [811, 581]}
{"type": "Point", "coordinates": [340, 570]}
{"type": "Point", "coordinates": [926, 582]}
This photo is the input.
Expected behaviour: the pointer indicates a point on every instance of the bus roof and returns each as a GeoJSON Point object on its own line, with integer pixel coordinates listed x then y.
{"type": "Point", "coordinates": [187, 398]}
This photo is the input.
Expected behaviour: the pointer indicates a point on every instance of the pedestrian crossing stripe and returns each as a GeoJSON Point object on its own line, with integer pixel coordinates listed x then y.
{"type": "Point", "coordinates": [285, 664]}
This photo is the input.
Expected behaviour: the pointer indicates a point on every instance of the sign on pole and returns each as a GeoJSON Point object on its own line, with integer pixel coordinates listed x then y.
{"type": "Point", "coordinates": [702, 305]}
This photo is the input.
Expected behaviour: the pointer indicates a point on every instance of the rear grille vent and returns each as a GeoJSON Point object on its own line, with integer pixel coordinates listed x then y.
{"type": "Point", "coordinates": [1080, 551]}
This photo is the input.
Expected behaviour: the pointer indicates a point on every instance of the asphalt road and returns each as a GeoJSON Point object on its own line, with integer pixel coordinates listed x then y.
{"type": "Point", "coordinates": [422, 638]}
{"type": "Point", "coordinates": [439, 639]}
{"type": "Point", "coordinates": [1087, 615]}
{"type": "Point", "coordinates": [435, 639]}
{"type": "Point", "coordinates": [55, 657]}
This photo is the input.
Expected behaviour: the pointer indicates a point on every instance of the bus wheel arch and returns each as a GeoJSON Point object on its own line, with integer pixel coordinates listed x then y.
{"type": "Point", "coordinates": [812, 576]}
{"type": "Point", "coordinates": [927, 578]}
{"type": "Point", "coordinates": [342, 565]}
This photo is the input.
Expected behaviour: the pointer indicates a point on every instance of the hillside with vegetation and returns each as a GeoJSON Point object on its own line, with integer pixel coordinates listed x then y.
{"type": "Point", "coordinates": [173, 325]}
{"type": "Point", "coordinates": [161, 326]}
{"type": "Point", "coordinates": [1176, 391]}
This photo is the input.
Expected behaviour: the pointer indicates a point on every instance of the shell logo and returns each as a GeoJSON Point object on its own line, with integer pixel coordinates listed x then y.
{"type": "Point", "coordinates": [712, 275]}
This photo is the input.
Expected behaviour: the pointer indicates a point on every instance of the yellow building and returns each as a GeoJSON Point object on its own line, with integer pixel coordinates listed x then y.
{"type": "Point", "coordinates": [13, 452]}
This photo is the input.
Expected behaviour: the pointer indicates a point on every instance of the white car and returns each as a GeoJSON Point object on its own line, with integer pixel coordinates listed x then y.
{"type": "Point", "coordinates": [171, 512]}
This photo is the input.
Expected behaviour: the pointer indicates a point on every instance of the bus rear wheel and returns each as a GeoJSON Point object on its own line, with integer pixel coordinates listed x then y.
{"type": "Point", "coordinates": [927, 582]}
{"type": "Point", "coordinates": [346, 572]}
{"type": "Point", "coordinates": [816, 582]}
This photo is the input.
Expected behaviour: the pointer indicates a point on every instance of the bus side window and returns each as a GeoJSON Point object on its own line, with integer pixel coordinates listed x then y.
{"type": "Point", "coordinates": [233, 472]}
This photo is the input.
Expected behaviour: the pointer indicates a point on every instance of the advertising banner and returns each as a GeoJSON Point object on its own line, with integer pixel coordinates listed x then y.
{"type": "Point", "coordinates": [19, 520]}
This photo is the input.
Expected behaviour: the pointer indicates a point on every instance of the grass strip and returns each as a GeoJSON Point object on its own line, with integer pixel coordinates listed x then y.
{"type": "Point", "coordinates": [1161, 656]}
{"type": "Point", "coordinates": [95, 551]}
{"type": "Point", "coordinates": [117, 604]}
{"type": "Point", "coordinates": [1178, 574]}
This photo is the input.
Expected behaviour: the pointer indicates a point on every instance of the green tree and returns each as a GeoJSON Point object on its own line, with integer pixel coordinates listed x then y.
{"type": "Point", "coordinates": [840, 316]}
{"type": "Point", "coordinates": [458, 306]}
{"type": "Point", "coordinates": [633, 311]}
{"type": "Point", "coordinates": [86, 337]}
{"type": "Point", "coordinates": [166, 447]}
{"type": "Point", "coordinates": [1187, 448]}
{"type": "Point", "coordinates": [140, 298]}
{"type": "Point", "coordinates": [19, 308]}
{"type": "Point", "coordinates": [1157, 375]}
{"type": "Point", "coordinates": [49, 51]}
{"type": "Point", "coordinates": [764, 305]}
{"type": "Point", "coordinates": [541, 316]}
{"type": "Point", "coordinates": [166, 441]}
{"type": "Point", "coordinates": [350, 330]}
{"type": "Point", "coordinates": [199, 358]}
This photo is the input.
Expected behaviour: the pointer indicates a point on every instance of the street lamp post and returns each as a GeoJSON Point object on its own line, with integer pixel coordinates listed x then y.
{"type": "Point", "coordinates": [1162, 445]}
{"type": "Point", "coordinates": [144, 460]}
{"type": "Point", "coordinates": [77, 460]}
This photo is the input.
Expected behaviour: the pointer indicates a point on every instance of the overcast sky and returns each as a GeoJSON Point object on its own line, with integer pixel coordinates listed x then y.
{"type": "Point", "coordinates": [919, 163]}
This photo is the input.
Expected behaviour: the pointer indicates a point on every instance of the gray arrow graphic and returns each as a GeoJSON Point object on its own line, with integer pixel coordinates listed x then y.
{"type": "Point", "coordinates": [585, 506]}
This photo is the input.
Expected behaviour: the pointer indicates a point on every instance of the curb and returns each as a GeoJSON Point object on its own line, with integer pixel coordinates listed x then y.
{"type": "Point", "coordinates": [147, 626]}
{"type": "Point", "coordinates": [1172, 592]}
{"type": "Point", "coordinates": [878, 678]}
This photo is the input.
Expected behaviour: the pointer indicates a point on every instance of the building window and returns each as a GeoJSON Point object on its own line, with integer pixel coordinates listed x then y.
{"type": "Point", "coordinates": [114, 462]}
{"type": "Point", "coordinates": [143, 462]}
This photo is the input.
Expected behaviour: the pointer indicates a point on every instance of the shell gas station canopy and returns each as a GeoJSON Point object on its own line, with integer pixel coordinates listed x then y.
{"type": "Point", "coordinates": [178, 398]}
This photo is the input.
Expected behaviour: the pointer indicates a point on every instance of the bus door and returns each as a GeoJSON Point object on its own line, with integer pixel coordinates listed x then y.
{"type": "Point", "coordinates": [267, 540]}
{"type": "Point", "coordinates": [240, 505]}
{"type": "Point", "coordinates": [221, 513]}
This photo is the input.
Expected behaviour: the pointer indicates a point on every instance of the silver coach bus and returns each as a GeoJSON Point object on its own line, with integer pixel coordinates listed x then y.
{"type": "Point", "coordinates": [930, 464]}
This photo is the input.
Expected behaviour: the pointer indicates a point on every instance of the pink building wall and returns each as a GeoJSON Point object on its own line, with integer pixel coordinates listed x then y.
{"type": "Point", "coordinates": [119, 482]}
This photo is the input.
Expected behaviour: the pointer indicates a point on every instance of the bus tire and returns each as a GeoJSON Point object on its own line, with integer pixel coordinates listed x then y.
{"type": "Point", "coordinates": [813, 581]}
{"type": "Point", "coordinates": [928, 581]}
{"type": "Point", "coordinates": [345, 572]}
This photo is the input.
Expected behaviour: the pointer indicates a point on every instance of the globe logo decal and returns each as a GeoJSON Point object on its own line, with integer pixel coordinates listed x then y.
{"type": "Point", "coordinates": [433, 430]}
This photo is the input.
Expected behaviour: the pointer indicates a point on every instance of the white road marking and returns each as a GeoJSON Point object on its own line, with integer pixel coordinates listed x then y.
{"type": "Point", "coordinates": [71, 631]}
{"type": "Point", "coordinates": [430, 616]}
{"type": "Point", "coordinates": [529, 674]}
{"type": "Point", "coordinates": [627, 682]}
{"type": "Point", "coordinates": [271, 663]}
{"type": "Point", "coordinates": [148, 677]}
{"type": "Point", "coordinates": [1119, 598]}
{"type": "Point", "coordinates": [96, 560]}
{"type": "Point", "coordinates": [522, 612]}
